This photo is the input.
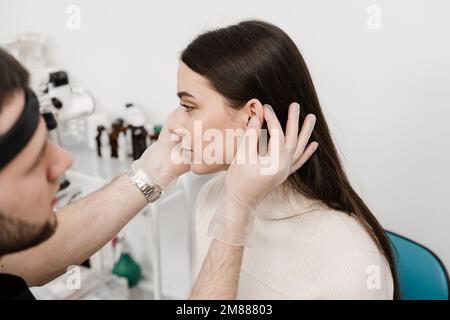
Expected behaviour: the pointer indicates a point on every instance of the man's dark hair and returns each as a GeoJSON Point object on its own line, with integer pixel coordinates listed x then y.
{"type": "Point", "coordinates": [13, 77]}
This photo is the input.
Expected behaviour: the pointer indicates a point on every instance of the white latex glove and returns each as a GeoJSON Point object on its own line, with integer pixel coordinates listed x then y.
{"type": "Point", "coordinates": [157, 162]}
{"type": "Point", "coordinates": [248, 182]}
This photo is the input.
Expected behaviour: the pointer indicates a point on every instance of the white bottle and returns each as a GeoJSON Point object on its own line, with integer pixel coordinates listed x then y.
{"type": "Point", "coordinates": [129, 137]}
{"type": "Point", "coordinates": [122, 151]}
{"type": "Point", "coordinates": [105, 148]}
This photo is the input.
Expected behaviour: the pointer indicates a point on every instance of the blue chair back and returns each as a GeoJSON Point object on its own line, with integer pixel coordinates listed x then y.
{"type": "Point", "coordinates": [421, 275]}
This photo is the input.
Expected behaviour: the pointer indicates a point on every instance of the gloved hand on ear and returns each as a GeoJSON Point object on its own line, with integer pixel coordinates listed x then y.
{"type": "Point", "coordinates": [162, 162]}
{"type": "Point", "coordinates": [251, 176]}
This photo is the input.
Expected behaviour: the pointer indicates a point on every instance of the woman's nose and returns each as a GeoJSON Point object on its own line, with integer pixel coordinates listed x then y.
{"type": "Point", "coordinates": [177, 121]}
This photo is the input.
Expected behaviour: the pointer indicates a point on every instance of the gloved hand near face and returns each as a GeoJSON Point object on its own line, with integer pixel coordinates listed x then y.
{"type": "Point", "coordinates": [249, 182]}
{"type": "Point", "coordinates": [162, 161]}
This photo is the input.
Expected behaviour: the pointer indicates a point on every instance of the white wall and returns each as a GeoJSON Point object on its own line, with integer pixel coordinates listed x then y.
{"type": "Point", "coordinates": [385, 92]}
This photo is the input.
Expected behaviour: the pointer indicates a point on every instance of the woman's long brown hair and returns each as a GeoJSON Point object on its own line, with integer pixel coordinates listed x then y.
{"type": "Point", "coordinates": [255, 59]}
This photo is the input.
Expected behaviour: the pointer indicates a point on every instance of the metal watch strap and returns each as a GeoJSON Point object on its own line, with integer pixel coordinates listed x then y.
{"type": "Point", "coordinates": [150, 192]}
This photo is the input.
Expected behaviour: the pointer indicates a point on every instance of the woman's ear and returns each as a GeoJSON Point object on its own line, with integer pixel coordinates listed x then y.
{"type": "Point", "coordinates": [251, 108]}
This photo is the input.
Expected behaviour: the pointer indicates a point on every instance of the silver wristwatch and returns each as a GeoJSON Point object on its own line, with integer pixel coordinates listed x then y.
{"type": "Point", "coordinates": [150, 192]}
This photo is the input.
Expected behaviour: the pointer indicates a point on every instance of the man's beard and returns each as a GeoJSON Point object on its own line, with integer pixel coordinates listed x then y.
{"type": "Point", "coordinates": [17, 235]}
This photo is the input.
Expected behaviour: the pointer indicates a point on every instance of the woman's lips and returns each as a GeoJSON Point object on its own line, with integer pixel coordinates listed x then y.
{"type": "Point", "coordinates": [187, 154]}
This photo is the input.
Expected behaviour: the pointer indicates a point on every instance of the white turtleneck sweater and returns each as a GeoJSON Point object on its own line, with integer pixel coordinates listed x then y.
{"type": "Point", "coordinates": [301, 250]}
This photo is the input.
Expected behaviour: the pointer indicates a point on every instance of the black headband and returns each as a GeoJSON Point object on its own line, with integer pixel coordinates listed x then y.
{"type": "Point", "coordinates": [13, 141]}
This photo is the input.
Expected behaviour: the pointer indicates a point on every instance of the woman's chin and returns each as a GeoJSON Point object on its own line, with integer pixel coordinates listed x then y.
{"type": "Point", "coordinates": [201, 169]}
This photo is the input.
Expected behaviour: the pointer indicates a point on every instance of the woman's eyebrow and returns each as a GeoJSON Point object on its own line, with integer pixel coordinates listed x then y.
{"type": "Point", "coordinates": [183, 94]}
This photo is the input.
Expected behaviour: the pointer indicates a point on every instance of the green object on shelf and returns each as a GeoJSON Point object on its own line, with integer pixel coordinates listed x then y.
{"type": "Point", "coordinates": [157, 128]}
{"type": "Point", "coordinates": [126, 267]}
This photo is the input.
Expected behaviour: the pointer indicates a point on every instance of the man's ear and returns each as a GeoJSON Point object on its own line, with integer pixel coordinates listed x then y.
{"type": "Point", "coordinates": [251, 108]}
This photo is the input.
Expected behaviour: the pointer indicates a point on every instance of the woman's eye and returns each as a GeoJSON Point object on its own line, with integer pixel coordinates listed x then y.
{"type": "Point", "coordinates": [186, 107]}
